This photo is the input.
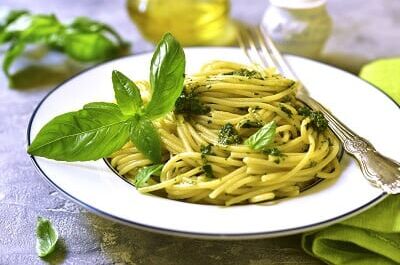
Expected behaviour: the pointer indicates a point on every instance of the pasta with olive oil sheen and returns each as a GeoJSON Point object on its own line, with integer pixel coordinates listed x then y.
{"type": "Point", "coordinates": [207, 154]}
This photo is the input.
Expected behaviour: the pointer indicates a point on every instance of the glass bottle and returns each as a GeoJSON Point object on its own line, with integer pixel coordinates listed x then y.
{"type": "Point", "coordinates": [298, 26]}
{"type": "Point", "coordinates": [192, 22]}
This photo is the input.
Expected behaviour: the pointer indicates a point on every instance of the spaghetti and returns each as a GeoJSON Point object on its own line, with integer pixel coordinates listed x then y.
{"type": "Point", "coordinates": [200, 167]}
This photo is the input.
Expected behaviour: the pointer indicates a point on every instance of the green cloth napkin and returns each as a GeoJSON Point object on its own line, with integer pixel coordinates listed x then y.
{"type": "Point", "coordinates": [372, 237]}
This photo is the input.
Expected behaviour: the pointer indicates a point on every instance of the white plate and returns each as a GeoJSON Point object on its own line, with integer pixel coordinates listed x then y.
{"type": "Point", "coordinates": [364, 108]}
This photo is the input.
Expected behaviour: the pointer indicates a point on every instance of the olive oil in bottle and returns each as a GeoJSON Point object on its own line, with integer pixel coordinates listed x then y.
{"type": "Point", "coordinates": [192, 22]}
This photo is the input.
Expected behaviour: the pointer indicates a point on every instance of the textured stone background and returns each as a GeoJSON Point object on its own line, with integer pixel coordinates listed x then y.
{"type": "Point", "coordinates": [364, 30]}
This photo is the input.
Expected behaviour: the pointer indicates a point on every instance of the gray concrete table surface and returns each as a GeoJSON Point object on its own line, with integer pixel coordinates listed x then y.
{"type": "Point", "coordinates": [364, 30]}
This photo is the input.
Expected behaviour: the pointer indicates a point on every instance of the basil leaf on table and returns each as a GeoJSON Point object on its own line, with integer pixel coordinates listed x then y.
{"type": "Point", "coordinates": [83, 40]}
{"type": "Point", "coordinates": [85, 24]}
{"type": "Point", "coordinates": [166, 76]}
{"type": "Point", "coordinates": [43, 28]}
{"type": "Point", "coordinates": [7, 18]}
{"type": "Point", "coordinates": [86, 47]}
{"type": "Point", "coordinates": [263, 137]}
{"type": "Point", "coordinates": [33, 29]}
{"type": "Point", "coordinates": [46, 237]}
{"type": "Point", "coordinates": [40, 29]}
{"type": "Point", "coordinates": [9, 28]}
{"type": "Point", "coordinates": [127, 93]}
{"type": "Point", "coordinates": [83, 135]}
{"type": "Point", "coordinates": [145, 173]}
{"type": "Point", "coordinates": [146, 138]}
{"type": "Point", "coordinates": [13, 52]}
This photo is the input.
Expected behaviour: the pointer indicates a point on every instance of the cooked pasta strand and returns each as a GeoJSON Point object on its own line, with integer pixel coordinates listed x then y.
{"type": "Point", "coordinates": [247, 98]}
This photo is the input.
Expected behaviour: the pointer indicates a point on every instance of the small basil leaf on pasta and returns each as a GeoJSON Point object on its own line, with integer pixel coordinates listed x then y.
{"type": "Point", "coordinates": [263, 137]}
{"type": "Point", "coordinates": [92, 133]}
{"type": "Point", "coordinates": [166, 76]}
{"type": "Point", "coordinates": [127, 93]}
{"type": "Point", "coordinates": [146, 138]}
{"type": "Point", "coordinates": [46, 237]}
{"type": "Point", "coordinates": [145, 173]}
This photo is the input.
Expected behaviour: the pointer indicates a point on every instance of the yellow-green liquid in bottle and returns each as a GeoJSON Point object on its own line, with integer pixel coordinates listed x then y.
{"type": "Point", "coordinates": [192, 22]}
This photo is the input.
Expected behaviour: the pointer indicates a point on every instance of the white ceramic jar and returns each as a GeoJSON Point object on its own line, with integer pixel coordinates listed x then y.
{"type": "Point", "coordinates": [298, 26]}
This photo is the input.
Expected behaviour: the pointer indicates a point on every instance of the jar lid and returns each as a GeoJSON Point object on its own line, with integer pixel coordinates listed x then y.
{"type": "Point", "coordinates": [300, 4]}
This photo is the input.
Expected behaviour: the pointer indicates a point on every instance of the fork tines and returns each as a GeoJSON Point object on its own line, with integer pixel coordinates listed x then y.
{"type": "Point", "coordinates": [261, 50]}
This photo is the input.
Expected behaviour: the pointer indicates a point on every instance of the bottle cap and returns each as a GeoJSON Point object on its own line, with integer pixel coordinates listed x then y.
{"type": "Point", "coordinates": [298, 4]}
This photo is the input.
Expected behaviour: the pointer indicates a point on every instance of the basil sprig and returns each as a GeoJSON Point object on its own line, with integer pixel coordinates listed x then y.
{"type": "Point", "coordinates": [101, 128]}
{"type": "Point", "coordinates": [263, 137]}
{"type": "Point", "coordinates": [84, 39]}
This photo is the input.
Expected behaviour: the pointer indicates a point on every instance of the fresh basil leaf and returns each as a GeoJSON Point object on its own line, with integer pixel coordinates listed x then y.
{"type": "Point", "coordinates": [84, 24]}
{"type": "Point", "coordinates": [43, 29]}
{"type": "Point", "coordinates": [88, 47]}
{"type": "Point", "coordinates": [32, 29]}
{"type": "Point", "coordinates": [145, 173]}
{"type": "Point", "coordinates": [83, 40]}
{"type": "Point", "coordinates": [7, 18]}
{"type": "Point", "coordinates": [263, 137]}
{"type": "Point", "coordinates": [166, 76]}
{"type": "Point", "coordinates": [12, 24]}
{"type": "Point", "coordinates": [9, 57]}
{"type": "Point", "coordinates": [46, 237]}
{"type": "Point", "coordinates": [40, 29]}
{"type": "Point", "coordinates": [146, 138]}
{"type": "Point", "coordinates": [108, 112]}
{"type": "Point", "coordinates": [87, 134]}
{"type": "Point", "coordinates": [107, 106]}
{"type": "Point", "coordinates": [127, 93]}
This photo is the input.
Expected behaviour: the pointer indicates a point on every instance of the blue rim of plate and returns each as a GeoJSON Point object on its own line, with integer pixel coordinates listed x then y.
{"type": "Point", "coordinates": [276, 233]}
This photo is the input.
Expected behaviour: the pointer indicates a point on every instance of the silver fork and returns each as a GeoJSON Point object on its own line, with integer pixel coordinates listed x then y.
{"type": "Point", "coordinates": [379, 170]}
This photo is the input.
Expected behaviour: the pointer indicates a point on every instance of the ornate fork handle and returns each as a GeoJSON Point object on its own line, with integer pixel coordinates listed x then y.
{"type": "Point", "coordinates": [381, 171]}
